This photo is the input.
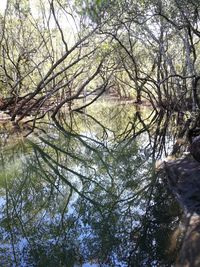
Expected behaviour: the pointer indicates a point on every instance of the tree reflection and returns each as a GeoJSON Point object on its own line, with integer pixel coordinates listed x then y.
{"type": "Point", "coordinates": [79, 198]}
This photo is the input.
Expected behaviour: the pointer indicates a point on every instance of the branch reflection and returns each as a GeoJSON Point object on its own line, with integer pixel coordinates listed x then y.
{"type": "Point", "coordinates": [90, 192]}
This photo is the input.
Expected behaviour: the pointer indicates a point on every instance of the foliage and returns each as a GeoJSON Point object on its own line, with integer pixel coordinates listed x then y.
{"type": "Point", "coordinates": [146, 49]}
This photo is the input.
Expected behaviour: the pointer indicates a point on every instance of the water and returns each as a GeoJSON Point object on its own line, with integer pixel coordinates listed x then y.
{"type": "Point", "coordinates": [84, 191]}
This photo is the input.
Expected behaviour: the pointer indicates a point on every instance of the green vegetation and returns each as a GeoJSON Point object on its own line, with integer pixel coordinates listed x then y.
{"type": "Point", "coordinates": [56, 53]}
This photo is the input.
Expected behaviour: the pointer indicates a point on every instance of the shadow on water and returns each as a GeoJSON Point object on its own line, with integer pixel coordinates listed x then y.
{"type": "Point", "coordinates": [87, 193]}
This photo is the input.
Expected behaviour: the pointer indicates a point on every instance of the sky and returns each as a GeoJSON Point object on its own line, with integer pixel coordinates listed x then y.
{"type": "Point", "coordinates": [2, 5]}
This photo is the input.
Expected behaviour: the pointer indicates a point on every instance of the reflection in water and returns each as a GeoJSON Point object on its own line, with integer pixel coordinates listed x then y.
{"type": "Point", "coordinates": [86, 193]}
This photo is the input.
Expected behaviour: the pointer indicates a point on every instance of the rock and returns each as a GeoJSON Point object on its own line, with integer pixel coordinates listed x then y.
{"type": "Point", "coordinates": [184, 180]}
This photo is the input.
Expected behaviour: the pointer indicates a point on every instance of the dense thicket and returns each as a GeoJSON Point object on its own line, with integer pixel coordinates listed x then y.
{"type": "Point", "coordinates": [57, 53]}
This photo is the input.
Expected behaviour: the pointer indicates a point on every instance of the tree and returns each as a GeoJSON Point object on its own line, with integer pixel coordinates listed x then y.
{"type": "Point", "coordinates": [149, 47]}
{"type": "Point", "coordinates": [157, 44]}
{"type": "Point", "coordinates": [50, 70]}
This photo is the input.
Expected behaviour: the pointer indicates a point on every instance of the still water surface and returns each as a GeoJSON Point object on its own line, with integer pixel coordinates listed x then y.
{"type": "Point", "coordinates": [84, 191]}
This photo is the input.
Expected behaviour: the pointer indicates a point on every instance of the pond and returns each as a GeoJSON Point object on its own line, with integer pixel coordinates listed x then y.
{"type": "Point", "coordinates": [85, 190]}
